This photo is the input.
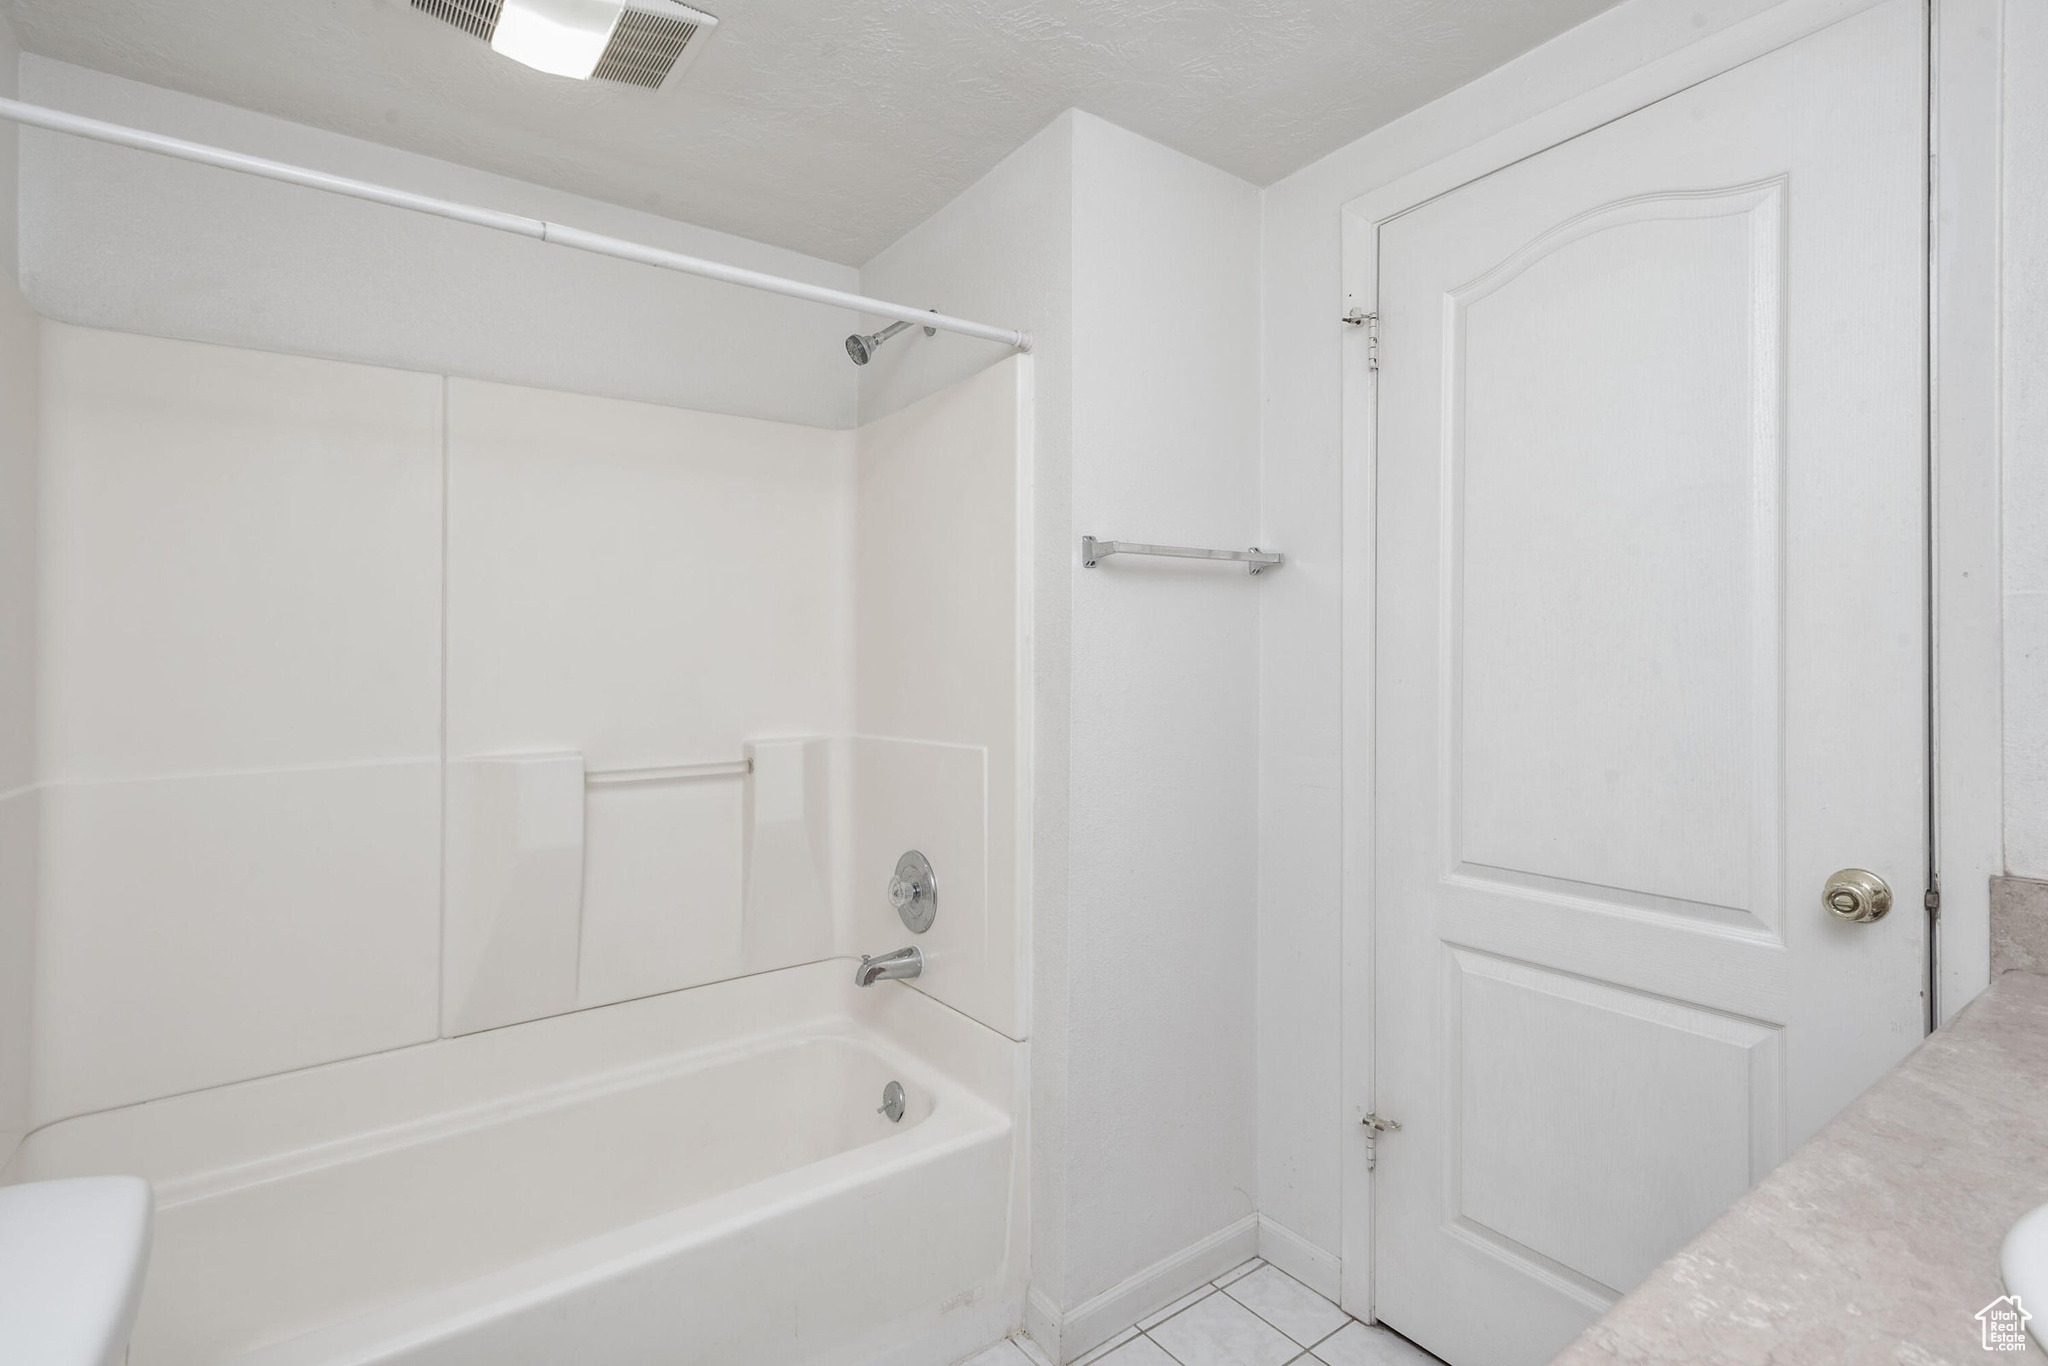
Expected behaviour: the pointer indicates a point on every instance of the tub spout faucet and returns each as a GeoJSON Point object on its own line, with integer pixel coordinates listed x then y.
{"type": "Point", "coordinates": [902, 963]}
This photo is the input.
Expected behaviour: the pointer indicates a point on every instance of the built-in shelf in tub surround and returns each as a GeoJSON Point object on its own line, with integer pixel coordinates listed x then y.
{"type": "Point", "coordinates": [1879, 1239]}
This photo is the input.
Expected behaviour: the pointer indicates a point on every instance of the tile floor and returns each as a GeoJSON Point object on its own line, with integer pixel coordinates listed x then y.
{"type": "Point", "coordinates": [1252, 1315]}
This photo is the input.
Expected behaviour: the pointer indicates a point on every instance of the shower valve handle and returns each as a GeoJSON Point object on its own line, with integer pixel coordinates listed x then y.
{"type": "Point", "coordinates": [914, 892]}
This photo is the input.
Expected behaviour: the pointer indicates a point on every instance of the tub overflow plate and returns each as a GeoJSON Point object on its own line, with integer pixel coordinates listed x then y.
{"type": "Point", "coordinates": [892, 1102]}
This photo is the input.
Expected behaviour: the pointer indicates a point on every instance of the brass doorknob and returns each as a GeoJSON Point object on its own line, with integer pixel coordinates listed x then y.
{"type": "Point", "coordinates": [1857, 895]}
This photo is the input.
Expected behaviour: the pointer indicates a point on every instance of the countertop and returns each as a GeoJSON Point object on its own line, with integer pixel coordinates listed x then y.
{"type": "Point", "coordinates": [1877, 1241]}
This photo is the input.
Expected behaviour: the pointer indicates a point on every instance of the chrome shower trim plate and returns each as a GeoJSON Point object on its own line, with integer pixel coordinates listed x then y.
{"type": "Point", "coordinates": [914, 892]}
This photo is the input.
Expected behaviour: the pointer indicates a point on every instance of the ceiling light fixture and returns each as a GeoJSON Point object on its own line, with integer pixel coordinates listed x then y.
{"type": "Point", "coordinates": [561, 37]}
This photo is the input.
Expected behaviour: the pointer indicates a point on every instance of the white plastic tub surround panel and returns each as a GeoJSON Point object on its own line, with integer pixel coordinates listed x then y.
{"type": "Point", "coordinates": [239, 606]}
{"type": "Point", "coordinates": [204, 930]}
{"type": "Point", "coordinates": [939, 583]}
{"type": "Point", "coordinates": [935, 799]}
{"type": "Point", "coordinates": [937, 567]}
{"type": "Point", "coordinates": [241, 559]}
{"type": "Point", "coordinates": [645, 586]}
{"type": "Point", "coordinates": [796, 837]}
{"type": "Point", "coordinates": [512, 889]}
{"type": "Point", "coordinates": [656, 584]}
{"type": "Point", "coordinates": [661, 888]}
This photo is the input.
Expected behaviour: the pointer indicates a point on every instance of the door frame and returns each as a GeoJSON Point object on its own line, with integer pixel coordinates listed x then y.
{"type": "Point", "coordinates": [1965, 653]}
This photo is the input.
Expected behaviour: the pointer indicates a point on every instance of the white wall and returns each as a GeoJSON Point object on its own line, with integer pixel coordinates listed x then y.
{"type": "Point", "coordinates": [18, 804]}
{"type": "Point", "coordinates": [1161, 929]}
{"type": "Point", "coordinates": [2025, 436]}
{"type": "Point", "coordinates": [121, 239]}
{"type": "Point", "coordinates": [1002, 251]}
{"type": "Point", "coordinates": [1135, 267]}
{"type": "Point", "coordinates": [1302, 1130]}
{"type": "Point", "coordinates": [1302, 1133]}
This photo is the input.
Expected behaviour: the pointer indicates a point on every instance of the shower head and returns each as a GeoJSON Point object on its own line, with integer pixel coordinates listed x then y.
{"type": "Point", "coordinates": [861, 349]}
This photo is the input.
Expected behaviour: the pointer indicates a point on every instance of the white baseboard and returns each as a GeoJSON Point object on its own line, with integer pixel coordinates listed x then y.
{"type": "Point", "coordinates": [1066, 1338]}
{"type": "Point", "coordinates": [1320, 1271]}
{"type": "Point", "coordinates": [1042, 1324]}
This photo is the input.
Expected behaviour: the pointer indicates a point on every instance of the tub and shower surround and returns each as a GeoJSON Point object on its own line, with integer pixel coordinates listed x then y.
{"type": "Point", "coordinates": [395, 710]}
{"type": "Point", "coordinates": [581, 1188]}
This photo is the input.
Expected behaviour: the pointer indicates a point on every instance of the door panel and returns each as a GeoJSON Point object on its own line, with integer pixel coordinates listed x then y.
{"type": "Point", "coordinates": [1547, 1073]}
{"type": "Point", "coordinates": [1649, 666]}
{"type": "Point", "coordinates": [1611, 396]}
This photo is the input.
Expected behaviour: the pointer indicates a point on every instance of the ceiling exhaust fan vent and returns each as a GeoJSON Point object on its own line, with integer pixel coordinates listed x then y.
{"type": "Point", "coordinates": [477, 18]}
{"type": "Point", "coordinates": [653, 39]}
{"type": "Point", "coordinates": [645, 48]}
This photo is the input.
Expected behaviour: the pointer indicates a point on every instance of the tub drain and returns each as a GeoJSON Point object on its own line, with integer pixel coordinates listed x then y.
{"type": "Point", "coordinates": [892, 1102]}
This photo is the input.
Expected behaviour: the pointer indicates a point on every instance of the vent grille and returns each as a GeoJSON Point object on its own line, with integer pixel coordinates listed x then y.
{"type": "Point", "coordinates": [644, 50]}
{"type": "Point", "coordinates": [477, 18]}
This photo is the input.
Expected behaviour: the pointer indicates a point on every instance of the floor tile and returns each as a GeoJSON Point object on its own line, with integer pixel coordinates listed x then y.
{"type": "Point", "coordinates": [1183, 1302]}
{"type": "Point", "coordinates": [1139, 1351]}
{"type": "Point", "coordinates": [1106, 1348]}
{"type": "Point", "coordinates": [1242, 1269]}
{"type": "Point", "coordinates": [1219, 1331]}
{"type": "Point", "coordinates": [1288, 1305]}
{"type": "Point", "coordinates": [1360, 1345]}
{"type": "Point", "coordinates": [1005, 1353]}
{"type": "Point", "coordinates": [1031, 1350]}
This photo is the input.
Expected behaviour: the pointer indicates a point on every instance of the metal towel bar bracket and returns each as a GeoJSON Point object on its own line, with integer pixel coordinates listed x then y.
{"type": "Point", "coordinates": [1093, 552]}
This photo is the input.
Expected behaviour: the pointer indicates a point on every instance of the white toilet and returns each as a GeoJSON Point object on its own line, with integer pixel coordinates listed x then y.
{"type": "Point", "coordinates": [72, 1258]}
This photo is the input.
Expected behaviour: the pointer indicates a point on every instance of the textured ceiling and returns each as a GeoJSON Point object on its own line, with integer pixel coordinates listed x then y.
{"type": "Point", "coordinates": [829, 126]}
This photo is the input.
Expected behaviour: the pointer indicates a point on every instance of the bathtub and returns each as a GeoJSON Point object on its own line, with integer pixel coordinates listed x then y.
{"type": "Point", "coordinates": [700, 1178]}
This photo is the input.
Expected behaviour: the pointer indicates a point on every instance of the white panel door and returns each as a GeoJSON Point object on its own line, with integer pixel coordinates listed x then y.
{"type": "Point", "coordinates": [1650, 666]}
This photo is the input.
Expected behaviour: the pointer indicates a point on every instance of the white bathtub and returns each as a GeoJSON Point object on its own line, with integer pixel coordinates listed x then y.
{"type": "Point", "coordinates": [693, 1178]}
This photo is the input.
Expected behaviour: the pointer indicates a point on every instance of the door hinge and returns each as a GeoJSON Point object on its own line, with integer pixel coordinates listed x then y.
{"type": "Point", "coordinates": [1932, 901]}
{"type": "Point", "coordinates": [1374, 1127]}
{"type": "Point", "coordinates": [1358, 317]}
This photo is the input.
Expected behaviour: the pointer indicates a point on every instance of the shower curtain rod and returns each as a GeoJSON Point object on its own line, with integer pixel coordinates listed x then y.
{"type": "Point", "coordinates": [57, 121]}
